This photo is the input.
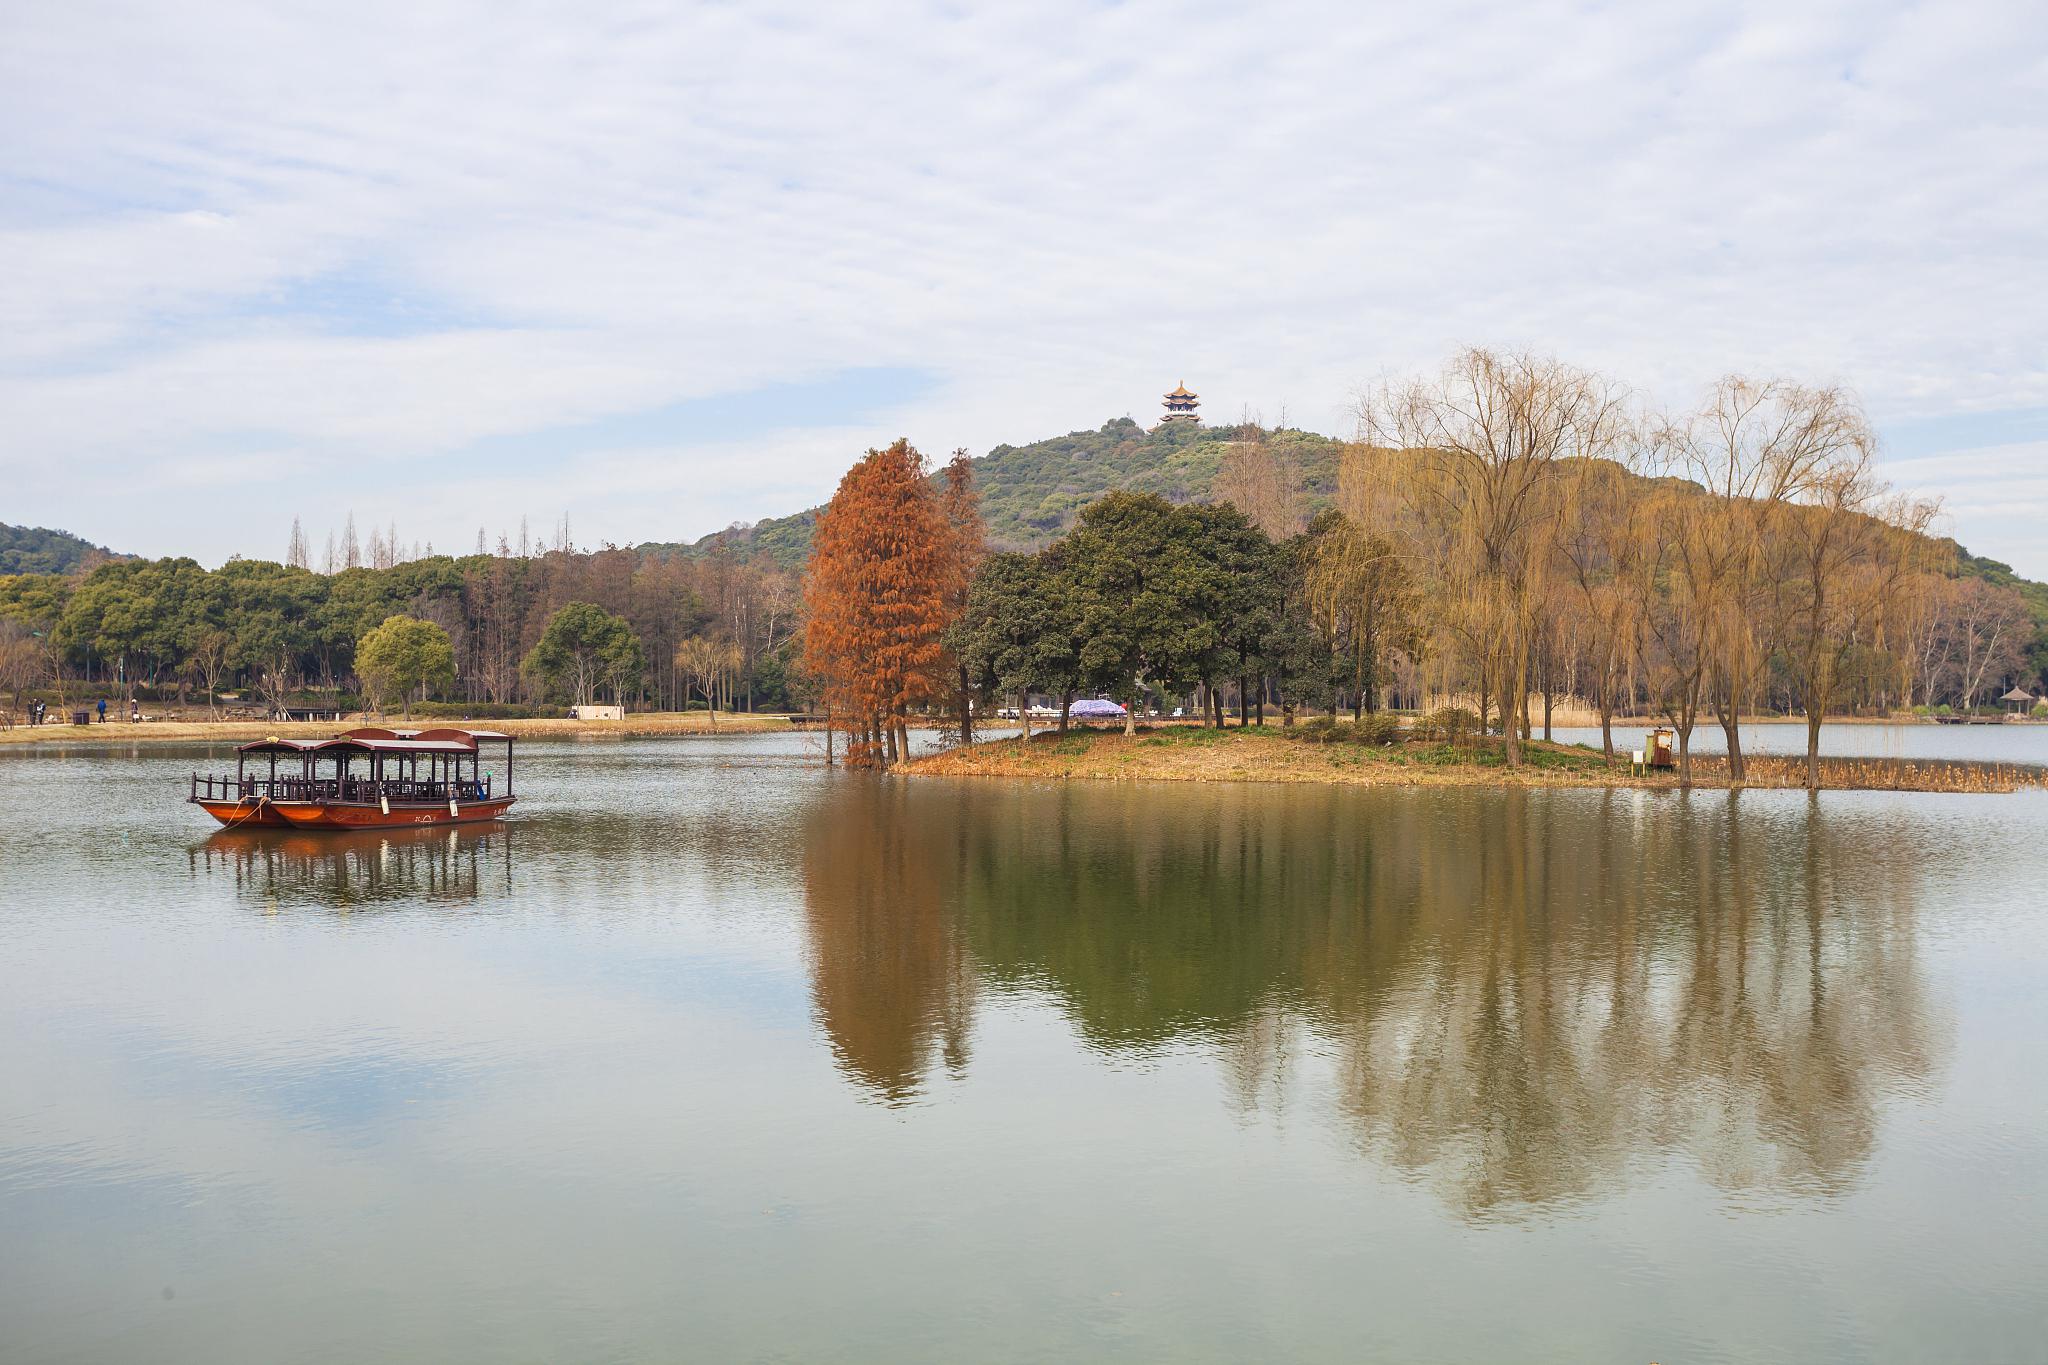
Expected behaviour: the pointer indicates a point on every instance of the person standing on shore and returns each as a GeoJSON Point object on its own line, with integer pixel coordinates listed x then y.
{"type": "Point", "coordinates": [103, 710]}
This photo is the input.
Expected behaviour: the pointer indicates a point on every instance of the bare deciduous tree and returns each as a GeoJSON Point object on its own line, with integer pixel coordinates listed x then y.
{"type": "Point", "coordinates": [1847, 550]}
{"type": "Point", "coordinates": [1474, 458]}
{"type": "Point", "coordinates": [706, 664]}
{"type": "Point", "coordinates": [1259, 476]}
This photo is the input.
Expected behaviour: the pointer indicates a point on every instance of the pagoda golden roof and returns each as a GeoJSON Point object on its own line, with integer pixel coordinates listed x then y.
{"type": "Point", "coordinates": [1181, 391]}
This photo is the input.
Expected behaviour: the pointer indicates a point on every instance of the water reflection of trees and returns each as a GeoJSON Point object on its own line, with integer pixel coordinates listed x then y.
{"type": "Point", "coordinates": [355, 869]}
{"type": "Point", "coordinates": [889, 974]}
{"type": "Point", "coordinates": [1523, 993]}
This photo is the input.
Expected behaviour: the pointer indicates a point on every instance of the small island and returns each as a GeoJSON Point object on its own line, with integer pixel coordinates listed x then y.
{"type": "Point", "coordinates": [1384, 754]}
{"type": "Point", "coordinates": [1585, 556]}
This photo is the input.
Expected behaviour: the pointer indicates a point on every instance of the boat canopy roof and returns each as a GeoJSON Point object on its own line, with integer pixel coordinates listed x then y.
{"type": "Point", "coordinates": [374, 739]}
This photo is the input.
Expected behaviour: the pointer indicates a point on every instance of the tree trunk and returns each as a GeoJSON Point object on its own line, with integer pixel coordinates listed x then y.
{"type": "Point", "coordinates": [1024, 712]}
{"type": "Point", "coordinates": [1731, 726]}
{"type": "Point", "coordinates": [1813, 715]}
{"type": "Point", "coordinates": [1262, 699]}
{"type": "Point", "coordinates": [1066, 706]}
{"type": "Point", "coordinates": [966, 710]}
{"type": "Point", "coordinates": [1513, 718]}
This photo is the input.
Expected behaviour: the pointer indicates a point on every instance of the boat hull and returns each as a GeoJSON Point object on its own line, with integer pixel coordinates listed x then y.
{"type": "Point", "coordinates": [245, 814]}
{"type": "Point", "coordinates": [357, 815]}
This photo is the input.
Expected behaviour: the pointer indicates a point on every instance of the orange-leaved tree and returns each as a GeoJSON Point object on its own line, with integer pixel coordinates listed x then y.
{"type": "Point", "coordinates": [876, 601]}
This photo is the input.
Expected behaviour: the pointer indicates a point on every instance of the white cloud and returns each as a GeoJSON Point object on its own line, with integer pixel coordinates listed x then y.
{"type": "Point", "coordinates": [1058, 210]}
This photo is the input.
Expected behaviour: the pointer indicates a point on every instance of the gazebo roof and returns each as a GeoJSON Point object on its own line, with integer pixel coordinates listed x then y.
{"type": "Point", "coordinates": [1180, 390]}
{"type": "Point", "coordinates": [2018, 694]}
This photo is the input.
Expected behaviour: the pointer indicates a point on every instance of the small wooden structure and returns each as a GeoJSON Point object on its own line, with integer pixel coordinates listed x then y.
{"type": "Point", "coordinates": [2019, 701]}
{"type": "Point", "coordinates": [597, 712]}
{"type": "Point", "coordinates": [1659, 750]}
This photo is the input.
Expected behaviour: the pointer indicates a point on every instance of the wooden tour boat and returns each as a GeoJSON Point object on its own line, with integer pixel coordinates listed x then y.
{"type": "Point", "coordinates": [379, 779]}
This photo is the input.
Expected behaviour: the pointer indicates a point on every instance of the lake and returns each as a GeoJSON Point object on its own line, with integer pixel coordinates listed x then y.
{"type": "Point", "coordinates": [709, 1054]}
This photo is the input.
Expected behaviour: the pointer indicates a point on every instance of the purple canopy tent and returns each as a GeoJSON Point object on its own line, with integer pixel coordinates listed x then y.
{"type": "Point", "coordinates": [1096, 709]}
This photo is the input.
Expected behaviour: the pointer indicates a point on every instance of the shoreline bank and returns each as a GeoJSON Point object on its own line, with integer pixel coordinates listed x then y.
{"type": "Point", "coordinates": [640, 726]}
{"type": "Point", "coordinates": [1273, 755]}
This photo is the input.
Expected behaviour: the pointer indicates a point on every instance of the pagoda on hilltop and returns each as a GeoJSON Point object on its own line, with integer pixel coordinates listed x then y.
{"type": "Point", "coordinates": [1180, 406]}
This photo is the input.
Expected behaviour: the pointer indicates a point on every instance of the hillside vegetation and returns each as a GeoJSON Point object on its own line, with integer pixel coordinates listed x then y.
{"type": "Point", "coordinates": [36, 549]}
{"type": "Point", "coordinates": [1031, 494]}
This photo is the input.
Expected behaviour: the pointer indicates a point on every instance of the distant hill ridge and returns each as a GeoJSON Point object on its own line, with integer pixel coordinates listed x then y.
{"type": "Point", "coordinates": [37, 549]}
{"type": "Point", "coordinates": [1031, 494]}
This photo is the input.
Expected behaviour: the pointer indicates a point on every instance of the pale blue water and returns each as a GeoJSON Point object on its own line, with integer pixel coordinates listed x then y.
{"type": "Point", "coordinates": [711, 1055]}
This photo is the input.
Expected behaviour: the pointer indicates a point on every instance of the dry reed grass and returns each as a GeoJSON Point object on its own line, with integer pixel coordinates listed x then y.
{"type": "Point", "coordinates": [1873, 774]}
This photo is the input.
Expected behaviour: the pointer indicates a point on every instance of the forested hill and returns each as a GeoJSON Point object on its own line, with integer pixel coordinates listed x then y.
{"type": "Point", "coordinates": [33, 549]}
{"type": "Point", "coordinates": [1031, 494]}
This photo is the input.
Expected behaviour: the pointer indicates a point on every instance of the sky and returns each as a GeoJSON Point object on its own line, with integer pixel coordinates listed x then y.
{"type": "Point", "coordinates": [661, 268]}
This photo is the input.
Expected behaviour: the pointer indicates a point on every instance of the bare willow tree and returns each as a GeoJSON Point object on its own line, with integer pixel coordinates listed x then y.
{"type": "Point", "coordinates": [1679, 603]}
{"type": "Point", "coordinates": [1848, 549]}
{"type": "Point", "coordinates": [1473, 460]}
{"type": "Point", "coordinates": [1755, 446]}
{"type": "Point", "coordinates": [1605, 547]}
{"type": "Point", "coordinates": [1361, 599]}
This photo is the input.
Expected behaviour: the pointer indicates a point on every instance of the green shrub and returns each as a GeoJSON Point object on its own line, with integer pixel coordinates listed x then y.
{"type": "Point", "coordinates": [1321, 730]}
{"type": "Point", "coordinates": [1376, 728]}
{"type": "Point", "coordinates": [1448, 724]}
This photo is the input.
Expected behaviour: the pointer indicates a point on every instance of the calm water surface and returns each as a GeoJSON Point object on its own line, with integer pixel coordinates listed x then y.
{"type": "Point", "coordinates": [710, 1055]}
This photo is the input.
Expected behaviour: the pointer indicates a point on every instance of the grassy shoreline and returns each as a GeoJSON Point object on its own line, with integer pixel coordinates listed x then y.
{"type": "Point", "coordinates": [241, 731]}
{"type": "Point", "coordinates": [1269, 754]}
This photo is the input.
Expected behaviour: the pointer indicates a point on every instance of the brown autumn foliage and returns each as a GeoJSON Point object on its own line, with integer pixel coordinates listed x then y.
{"type": "Point", "coordinates": [1761, 552]}
{"type": "Point", "coordinates": [882, 585]}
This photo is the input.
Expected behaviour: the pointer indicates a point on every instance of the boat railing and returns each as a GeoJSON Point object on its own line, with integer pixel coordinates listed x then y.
{"type": "Point", "coordinates": [364, 790]}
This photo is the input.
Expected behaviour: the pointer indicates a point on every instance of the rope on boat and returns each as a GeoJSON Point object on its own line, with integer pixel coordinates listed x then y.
{"type": "Point", "coordinates": [254, 811]}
